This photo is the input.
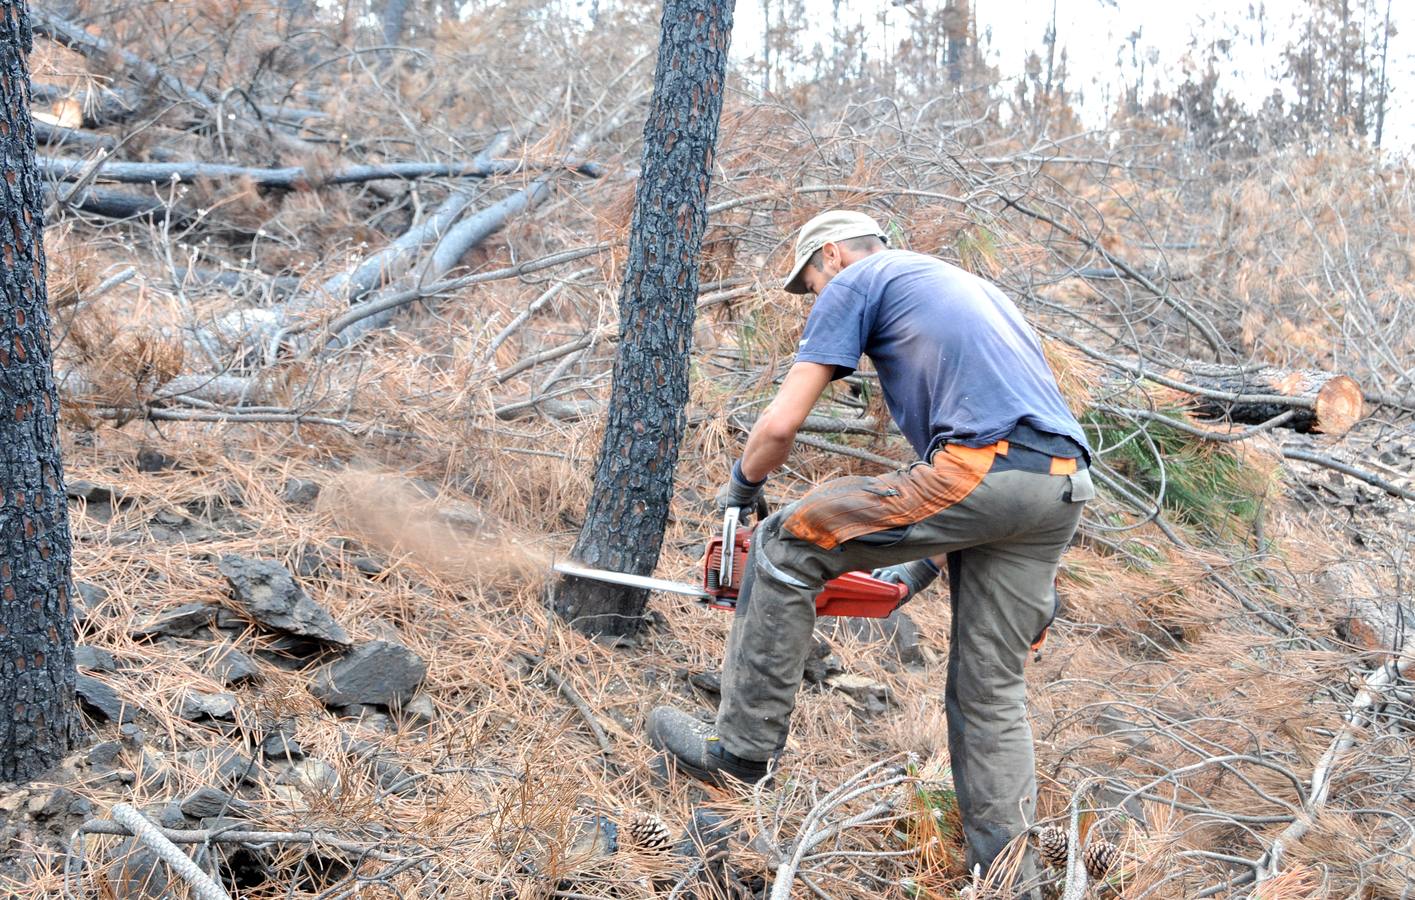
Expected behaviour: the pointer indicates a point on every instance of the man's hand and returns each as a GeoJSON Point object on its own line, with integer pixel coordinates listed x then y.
{"type": "Point", "coordinates": [915, 575]}
{"type": "Point", "coordinates": [739, 492]}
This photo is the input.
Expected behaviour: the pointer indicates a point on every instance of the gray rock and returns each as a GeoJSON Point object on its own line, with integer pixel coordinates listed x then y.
{"type": "Point", "coordinates": [228, 664]}
{"type": "Point", "coordinates": [708, 842]}
{"type": "Point", "coordinates": [153, 771]}
{"type": "Point", "coordinates": [12, 802]}
{"type": "Point", "coordinates": [224, 767]}
{"type": "Point", "coordinates": [87, 490]}
{"type": "Point", "coordinates": [113, 780]}
{"type": "Point", "coordinates": [1130, 728]}
{"type": "Point", "coordinates": [300, 491]}
{"type": "Point", "coordinates": [150, 460]}
{"type": "Point", "coordinates": [168, 815]}
{"type": "Point", "coordinates": [104, 755]}
{"type": "Point", "coordinates": [206, 802]}
{"type": "Point", "coordinates": [89, 604]}
{"type": "Point", "coordinates": [293, 653]}
{"type": "Point", "coordinates": [91, 594]}
{"type": "Point", "coordinates": [866, 694]}
{"type": "Point", "coordinates": [898, 630]}
{"type": "Point", "coordinates": [311, 775]}
{"type": "Point", "coordinates": [136, 872]}
{"type": "Point", "coordinates": [169, 517]}
{"type": "Point", "coordinates": [381, 673]}
{"type": "Point", "coordinates": [310, 562]}
{"type": "Point", "coordinates": [281, 746]}
{"type": "Point", "coordinates": [231, 621]}
{"type": "Point", "coordinates": [368, 566]}
{"type": "Point", "coordinates": [710, 682]}
{"type": "Point", "coordinates": [131, 736]}
{"type": "Point", "coordinates": [101, 701]}
{"type": "Point", "coordinates": [419, 711]}
{"type": "Point", "coordinates": [183, 621]}
{"type": "Point", "coordinates": [271, 596]}
{"type": "Point", "coordinates": [820, 669]}
{"type": "Point", "coordinates": [370, 718]}
{"type": "Point", "coordinates": [382, 766]}
{"type": "Point", "coordinates": [197, 705]}
{"type": "Point", "coordinates": [95, 659]}
{"type": "Point", "coordinates": [51, 804]}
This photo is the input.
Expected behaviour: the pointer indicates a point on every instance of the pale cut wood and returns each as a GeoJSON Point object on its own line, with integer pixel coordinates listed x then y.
{"type": "Point", "coordinates": [1326, 402]}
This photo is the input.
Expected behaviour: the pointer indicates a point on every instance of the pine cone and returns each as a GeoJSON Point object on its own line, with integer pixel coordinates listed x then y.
{"type": "Point", "coordinates": [1100, 858]}
{"type": "Point", "coordinates": [647, 833]}
{"type": "Point", "coordinates": [1051, 844]}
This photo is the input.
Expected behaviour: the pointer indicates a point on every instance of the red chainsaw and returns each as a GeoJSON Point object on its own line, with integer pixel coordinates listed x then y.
{"type": "Point", "coordinates": [725, 562]}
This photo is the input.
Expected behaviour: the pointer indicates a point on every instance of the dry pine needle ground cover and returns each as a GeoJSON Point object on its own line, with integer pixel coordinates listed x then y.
{"type": "Point", "coordinates": [1191, 688]}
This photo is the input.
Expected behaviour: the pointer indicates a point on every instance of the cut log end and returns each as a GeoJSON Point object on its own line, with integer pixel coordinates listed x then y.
{"type": "Point", "coordinates": [1320, 401]}
{"type": "Point", "coordinates": [1339, 405]}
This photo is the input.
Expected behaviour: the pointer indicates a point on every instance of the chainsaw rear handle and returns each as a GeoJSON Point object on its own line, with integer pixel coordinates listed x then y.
{"type": "Point", "coordinates": [856, 594]}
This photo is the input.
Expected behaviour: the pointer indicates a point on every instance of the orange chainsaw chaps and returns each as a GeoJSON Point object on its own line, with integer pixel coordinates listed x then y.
{"type": "Point", "coordinates": [846, 508]}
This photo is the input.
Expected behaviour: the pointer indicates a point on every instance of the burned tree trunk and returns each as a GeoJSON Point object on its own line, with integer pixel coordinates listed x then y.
{"type": "Point", "coordinates": [623, 528]}
{"type": "Point", "coordinates": [394, 12]}
{"type": "Point", "coordinates": [38, 718]}
{"type": "Point", "coordinates": [1320, 401]}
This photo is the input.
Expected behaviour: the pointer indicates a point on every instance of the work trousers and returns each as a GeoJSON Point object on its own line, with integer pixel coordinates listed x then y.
{"type": "Point", "coordinates": [1003, 540]}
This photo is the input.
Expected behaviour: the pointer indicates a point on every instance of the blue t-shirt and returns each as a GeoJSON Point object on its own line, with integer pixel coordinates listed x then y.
{"type": "Point", "coordinates": [957, 362]}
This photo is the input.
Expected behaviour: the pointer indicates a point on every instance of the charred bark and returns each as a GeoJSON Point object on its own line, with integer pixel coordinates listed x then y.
{"type": "Point", "coordinates": [394, 14]}
{"type": "Point", "coordinates": [1321, 401]}
{"type": "Point", "coordinates": [73, 36]}
{"type": "Point", "coordinates": [633, 486]}
{"type": "Point", "coordinates": [38, 718]}
{"type": "Point", "coordinates": [110, 204]}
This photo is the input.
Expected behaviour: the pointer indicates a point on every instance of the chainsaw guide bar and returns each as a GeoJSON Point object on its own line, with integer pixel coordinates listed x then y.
{"type": "Point", "coordinates": [638, 581]}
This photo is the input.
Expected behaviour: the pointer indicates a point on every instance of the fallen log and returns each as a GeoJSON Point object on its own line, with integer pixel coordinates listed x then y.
{"type": "Point", "coordinates": [295, 177]}
{"type": "Point", "coordinates": [1321, 401]}
{"type": "Point", "coordinates": [1375, 620]}
{"type": "Point", "coordinates": [454, 243]}
{"type": "Point", "coordinates": [111, 204]}
{"type": "Point", "coordinates": [114, 106]}
{"type": "Point", "coordinates": [49, 135]}
{"type": "Point", "coordinates": [100, 106]}
{"type": "Point", "coordinates": [76, 38]}
{"type": "Point", "coordinates": [390, 263]}
{"type": "Point", "coordinates": [239, 281]}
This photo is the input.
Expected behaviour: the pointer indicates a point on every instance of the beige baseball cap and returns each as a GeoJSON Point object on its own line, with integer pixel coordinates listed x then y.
{"type": "Point", "coordinates": [833, 225]}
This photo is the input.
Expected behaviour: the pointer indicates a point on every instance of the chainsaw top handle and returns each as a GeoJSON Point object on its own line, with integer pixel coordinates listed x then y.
{"type": "Point", "coordinates": [760, 509]}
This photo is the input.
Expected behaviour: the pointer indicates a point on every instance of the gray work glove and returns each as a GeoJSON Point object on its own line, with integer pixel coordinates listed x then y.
{"type": "Point", "coordinates": [739, 492]}
{"type": "Point", "coordinates": [915, 575]}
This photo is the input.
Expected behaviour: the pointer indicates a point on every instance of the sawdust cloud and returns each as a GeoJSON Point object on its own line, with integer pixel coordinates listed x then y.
{"type": "Point", "coordinates": [449, 540]}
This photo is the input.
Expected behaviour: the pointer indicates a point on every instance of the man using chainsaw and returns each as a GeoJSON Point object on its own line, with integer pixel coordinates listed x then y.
{"type": "Point", "coordinates": [994, 501]}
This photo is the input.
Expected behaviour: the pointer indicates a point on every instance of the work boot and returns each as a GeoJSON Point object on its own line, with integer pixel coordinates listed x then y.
{"type": "Point", "coordinates": [695, 748]}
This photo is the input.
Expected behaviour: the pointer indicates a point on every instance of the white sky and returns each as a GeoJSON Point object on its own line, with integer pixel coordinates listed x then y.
{"type": "Point", "coordinates": [1094, 31]}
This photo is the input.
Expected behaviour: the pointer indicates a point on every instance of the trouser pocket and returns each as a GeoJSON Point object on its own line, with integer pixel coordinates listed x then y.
{"type": "Point", "coordinates": [1040, 640]}
{"type": "Point", "coordinates": [1081, 488]}
{"type": "Point", "coordinates": [847, 508]}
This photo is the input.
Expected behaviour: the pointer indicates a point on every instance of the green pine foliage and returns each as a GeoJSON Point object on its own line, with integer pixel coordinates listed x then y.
{"type": "Point", "coordinates": [1201, 484]}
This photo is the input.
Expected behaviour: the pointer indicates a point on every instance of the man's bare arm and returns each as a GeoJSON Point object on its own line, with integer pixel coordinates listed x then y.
{"type": "Point", "coordinates": [769, 444]}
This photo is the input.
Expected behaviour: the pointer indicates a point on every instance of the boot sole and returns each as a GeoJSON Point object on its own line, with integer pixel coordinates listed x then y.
{"type": "Point", "coordinates": [718, 778]}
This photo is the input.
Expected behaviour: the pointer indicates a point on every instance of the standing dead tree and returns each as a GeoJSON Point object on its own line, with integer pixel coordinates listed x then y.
{"type": "Point", "coordinates": [40, 720]}
{"type": "Point", "coordinates": [623, 527]}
